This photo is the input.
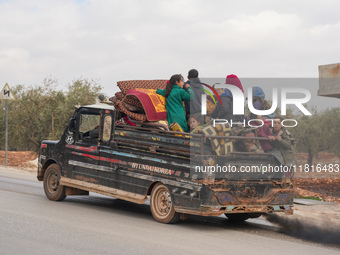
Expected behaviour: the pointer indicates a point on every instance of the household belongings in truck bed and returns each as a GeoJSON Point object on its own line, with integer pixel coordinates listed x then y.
{"type": "Point", "coordinates": [138, 99]}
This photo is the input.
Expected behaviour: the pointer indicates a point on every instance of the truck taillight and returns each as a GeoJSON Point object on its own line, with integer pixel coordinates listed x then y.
{"type": "Point", "coordinates": [43, 145]}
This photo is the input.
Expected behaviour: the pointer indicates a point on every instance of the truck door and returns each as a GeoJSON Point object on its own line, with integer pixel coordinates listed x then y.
{"type": "Point", "coordinates": [107, 164]}
{"type": "Point", "coordinates": [83, 155]}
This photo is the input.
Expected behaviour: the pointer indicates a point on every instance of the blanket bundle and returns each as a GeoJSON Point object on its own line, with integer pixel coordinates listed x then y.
{"type": "Point", "coordinates": [222, 146]}
{"type": "Point", "coordinates": [138, 99]}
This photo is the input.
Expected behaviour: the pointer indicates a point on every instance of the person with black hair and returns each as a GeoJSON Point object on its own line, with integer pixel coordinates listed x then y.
{"type": "Point", "coordinates": [194, 106]}
{"type": "Point", "coordinates": [175, 94]}
{"type": "Point", "coordinates": [263, 131]}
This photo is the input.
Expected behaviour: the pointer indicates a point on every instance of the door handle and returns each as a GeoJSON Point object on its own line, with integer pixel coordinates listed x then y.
{"type": "Point", "coordinates": [114, 166]}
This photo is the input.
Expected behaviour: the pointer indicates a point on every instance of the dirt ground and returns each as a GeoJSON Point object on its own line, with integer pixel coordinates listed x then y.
{"type": "Point", "coordinates": [323, 185]}
{"type": "Point", "coordinates": [322, 181]}
{"type": "Point", "coordinates": [22, 159]}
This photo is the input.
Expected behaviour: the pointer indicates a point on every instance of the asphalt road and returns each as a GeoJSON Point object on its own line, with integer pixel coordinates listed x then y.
{"type": "Point", "coordinates": [31, 224]}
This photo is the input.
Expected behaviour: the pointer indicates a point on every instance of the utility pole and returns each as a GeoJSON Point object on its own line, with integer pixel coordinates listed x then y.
{"type": "Point", "coordinates": [6, 95]}
{"type": "Point", "coordinates": [6, 135]}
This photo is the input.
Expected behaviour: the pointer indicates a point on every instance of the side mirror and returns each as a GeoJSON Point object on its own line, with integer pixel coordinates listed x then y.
{"type": "Point", "coordinates": [72, 125]}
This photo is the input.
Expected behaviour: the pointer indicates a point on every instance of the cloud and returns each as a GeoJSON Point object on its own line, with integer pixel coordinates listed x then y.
{"type": "Point", "coordinates": [118, 40]}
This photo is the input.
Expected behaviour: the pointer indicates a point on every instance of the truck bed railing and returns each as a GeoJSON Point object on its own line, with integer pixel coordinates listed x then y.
{"type": "Point", "coordinates": [173, 143]}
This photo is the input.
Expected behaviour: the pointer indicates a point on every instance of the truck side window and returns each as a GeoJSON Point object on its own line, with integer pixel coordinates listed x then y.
{"type": "Point", "coordinates": [107, 128]}
{"type": "Point", "coordinates": [89, 126]}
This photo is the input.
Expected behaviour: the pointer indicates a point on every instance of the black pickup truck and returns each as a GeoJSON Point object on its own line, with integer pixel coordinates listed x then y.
{"type": "Point", "coordinates": [97, 153]}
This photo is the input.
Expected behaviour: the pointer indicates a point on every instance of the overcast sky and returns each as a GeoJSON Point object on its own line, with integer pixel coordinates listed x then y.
{"type": "Point", "coordinates": [123, 40]}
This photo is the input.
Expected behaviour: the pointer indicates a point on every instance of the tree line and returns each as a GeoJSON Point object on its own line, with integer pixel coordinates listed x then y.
{"type": "Point", "coordinates": [42, 112]}
{"type": "Point", "coordinates": [319, 132]}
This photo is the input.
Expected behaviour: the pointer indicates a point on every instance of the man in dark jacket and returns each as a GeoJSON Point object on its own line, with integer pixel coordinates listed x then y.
{"type": "Point", "coordinates": [224, 111]}
{"type": "Point", "coordinates": [194, 106]}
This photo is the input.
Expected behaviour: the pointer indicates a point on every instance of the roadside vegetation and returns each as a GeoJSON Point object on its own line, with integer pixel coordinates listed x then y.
{"type": "Point", "coordinates": [42, 111]}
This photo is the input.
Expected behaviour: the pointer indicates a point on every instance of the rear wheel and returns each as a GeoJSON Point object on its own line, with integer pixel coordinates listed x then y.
{"type": "Point", "coordinates": [237, 216]}
{"type": "Point", "coordinates": [161, 205]}
{"type": "Point", "coordinates": [254, 215]}
{"type": "Point", "coordinates": [242, 216]}
{"type": "Point", "coordinates": [53, 190]}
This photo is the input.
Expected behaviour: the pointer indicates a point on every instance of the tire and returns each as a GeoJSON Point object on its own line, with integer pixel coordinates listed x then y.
{"type": "Point", "coordinates": [237, 216]}
{"type": "Point", "coordinates": [53, 190]}
{"type": "Point", "coordinates": [254, 215]}
{"type": "Point", "coordinates": [161, 205]}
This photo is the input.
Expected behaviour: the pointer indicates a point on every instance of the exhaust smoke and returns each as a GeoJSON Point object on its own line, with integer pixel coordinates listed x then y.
{"type": "Point", "coordinates": [318, 231]}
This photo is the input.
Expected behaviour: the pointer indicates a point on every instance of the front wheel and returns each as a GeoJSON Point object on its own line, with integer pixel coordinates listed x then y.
{"type": "Point", "coordinates": [161, 205]}
{"type": "Point", "coordinates": [53, 190]}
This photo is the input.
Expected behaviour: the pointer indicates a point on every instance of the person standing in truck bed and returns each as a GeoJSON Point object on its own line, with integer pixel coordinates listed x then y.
{"type": "Point", "coordinates": [175, 94]}
{"type": "Point", "coordinates": [225, 110]}
{"type": "Point", "coordinates": [194, 106]}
